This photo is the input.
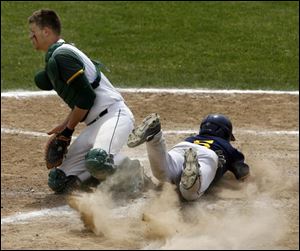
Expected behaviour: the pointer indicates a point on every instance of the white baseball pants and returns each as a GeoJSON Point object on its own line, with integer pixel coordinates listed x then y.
{"type": "Point", "coordinates": [168, 165]}
{"type": "Point", "coordinates": [110, 132]}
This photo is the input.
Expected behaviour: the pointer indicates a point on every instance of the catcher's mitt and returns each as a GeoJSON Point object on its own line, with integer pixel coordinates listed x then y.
{"type": "Point", "coordinates": [56, 149]}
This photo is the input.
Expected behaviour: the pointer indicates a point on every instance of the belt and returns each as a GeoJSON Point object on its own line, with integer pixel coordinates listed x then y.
{"type": "Point", "coordinates": [98, 117]}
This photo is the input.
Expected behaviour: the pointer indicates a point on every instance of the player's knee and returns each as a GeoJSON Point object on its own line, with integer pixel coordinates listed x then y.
{"type": "Point", "coordinates": [57, 180]}
{"type": "Point", "coordinates": [99, 163]}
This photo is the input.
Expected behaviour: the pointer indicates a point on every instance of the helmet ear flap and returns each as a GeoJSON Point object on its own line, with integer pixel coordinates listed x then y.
{"type": "Point", "coordinates": [222, 133]}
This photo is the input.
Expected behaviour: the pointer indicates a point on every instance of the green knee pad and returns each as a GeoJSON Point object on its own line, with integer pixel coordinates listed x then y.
{"type": "Point", "coordinates": [57, 180]}
{"type": "Point", "coordinates": [99, 163]}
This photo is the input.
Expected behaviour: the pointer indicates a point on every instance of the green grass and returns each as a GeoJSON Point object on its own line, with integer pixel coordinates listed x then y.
{"type": "Point", "coordinates": [227, 45]}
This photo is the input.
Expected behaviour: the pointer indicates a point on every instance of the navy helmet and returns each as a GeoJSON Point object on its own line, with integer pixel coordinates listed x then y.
{"type": "Point", "coordinates": [217, 125]}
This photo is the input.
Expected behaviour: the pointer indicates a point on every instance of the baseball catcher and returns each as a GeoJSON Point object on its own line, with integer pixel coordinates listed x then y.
{"type": "Point", "coordinates": [92, 100]}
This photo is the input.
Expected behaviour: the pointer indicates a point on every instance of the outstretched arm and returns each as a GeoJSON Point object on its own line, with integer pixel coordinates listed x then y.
{"type": "Point", "coordinates": [72, 120]}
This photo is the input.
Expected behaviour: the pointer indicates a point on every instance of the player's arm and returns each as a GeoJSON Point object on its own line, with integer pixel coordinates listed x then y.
{"type": "Point", "coordinates": [70, 122]}
{"type": "Point", "coordinates": [83, 103]}
{"type": "Point", "coordinates": [72, 72]}
{"type": "Point", "coordinates": [76, 115]}
{"type": "Point", "coordinates": [239, 168]}
{"type": "Point", "coordinates": [61, 126]}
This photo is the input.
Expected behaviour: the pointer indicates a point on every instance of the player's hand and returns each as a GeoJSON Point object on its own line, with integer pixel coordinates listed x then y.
{"type": "Point", "coordinates": [56, 149]}
{"type": "Point", "coordinates": [57, 129]}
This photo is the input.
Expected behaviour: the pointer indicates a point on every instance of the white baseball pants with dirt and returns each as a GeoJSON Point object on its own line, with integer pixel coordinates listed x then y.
{"type": "Point", "coordinates": [110, 132]}
{"type": "Point", "coordinates": [168, 165]}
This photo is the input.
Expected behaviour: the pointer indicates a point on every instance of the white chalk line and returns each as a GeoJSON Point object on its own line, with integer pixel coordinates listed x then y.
{"type": "Point", "coordinates": [66, 210]}
{"type": "Point", "coordinates": [13, 193]}
{"type": "Point", "coordinates": [24, 93]}
{"type": "Point", "coordinates": [23, 132]}
{"type": "Point", "coordinates": [166, 132]}
{"type": "Point", "coordinates": [21, 217]}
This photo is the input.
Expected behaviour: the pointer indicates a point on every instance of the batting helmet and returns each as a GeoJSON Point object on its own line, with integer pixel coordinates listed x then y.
{"type": "Point", "coordinates": [217, 125]}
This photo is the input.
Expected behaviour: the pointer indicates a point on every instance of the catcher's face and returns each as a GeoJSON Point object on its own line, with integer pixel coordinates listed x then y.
{"type": "Point", "coordinates": [39, 37]}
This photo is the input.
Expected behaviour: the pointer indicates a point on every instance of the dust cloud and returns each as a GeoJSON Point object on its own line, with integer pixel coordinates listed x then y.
{"type": "Point", "coordinates": [232, 215]}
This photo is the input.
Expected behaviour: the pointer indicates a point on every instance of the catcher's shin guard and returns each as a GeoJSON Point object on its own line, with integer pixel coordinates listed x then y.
{"type": "Point", "coordinates": [99, 163]}
{"type": "Point", "coordinates": [60, 183]}
{"type": "Point", "coordinates": [190, 182]}
{"type": "Point", "coordinates": [145, 131]}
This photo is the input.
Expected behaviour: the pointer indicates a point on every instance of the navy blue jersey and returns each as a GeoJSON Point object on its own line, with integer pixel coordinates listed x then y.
{"type": "Point", "coordinates": [229, 157]}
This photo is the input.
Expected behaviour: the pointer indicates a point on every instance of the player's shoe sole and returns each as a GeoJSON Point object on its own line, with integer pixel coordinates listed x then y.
{"type": "Point", "coordinates": [149, 127]}
{"type": "Point", "coordinates": [191, 169]}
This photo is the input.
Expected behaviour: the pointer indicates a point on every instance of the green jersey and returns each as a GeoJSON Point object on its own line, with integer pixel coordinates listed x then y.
{"type": "Point", "coordinates": [64, 72]}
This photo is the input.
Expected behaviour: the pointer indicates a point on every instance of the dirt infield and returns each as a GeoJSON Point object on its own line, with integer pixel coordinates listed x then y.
{"type": "Point", "coordinates": [260, 213]}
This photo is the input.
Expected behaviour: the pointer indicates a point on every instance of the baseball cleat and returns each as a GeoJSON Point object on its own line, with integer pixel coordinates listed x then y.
{"type": "Point", "coordinates": [191, 169]}
{"type": "Point", "coordinates": [145, 131]}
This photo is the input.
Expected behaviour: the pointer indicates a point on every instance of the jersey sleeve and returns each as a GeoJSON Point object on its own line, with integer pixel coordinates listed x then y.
{"type": "Point", "coordinates": [69, 65]}
{"type": "Point", "coordinates": [237, 165]}
{"type": "Point", "coordinates": [71, 70]}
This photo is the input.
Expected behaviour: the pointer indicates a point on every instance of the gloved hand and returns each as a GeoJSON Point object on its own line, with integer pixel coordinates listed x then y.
{"type": "Point", "coordinates": [57, 147]}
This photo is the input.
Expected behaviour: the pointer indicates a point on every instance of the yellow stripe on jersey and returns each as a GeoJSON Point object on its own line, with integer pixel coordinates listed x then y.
{"type": "Point", "coordinates": [206, 143]}
{"type": "Point", "coordinates": [75, 75]}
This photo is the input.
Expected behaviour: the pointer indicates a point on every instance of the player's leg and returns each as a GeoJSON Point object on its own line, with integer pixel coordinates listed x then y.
{"type": "Point", "coordinates": [114, 131]}
{"type": "Point", "coordinates": [149, 127]}
{"type": "Point", "coordinates": [59, 182]}
{"type": "Point", "coordinates": [73, 171]}
{"type": "Point", "coordinates": [105, 155]}
{"type": "Point", "coordinates": [164, 166]}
